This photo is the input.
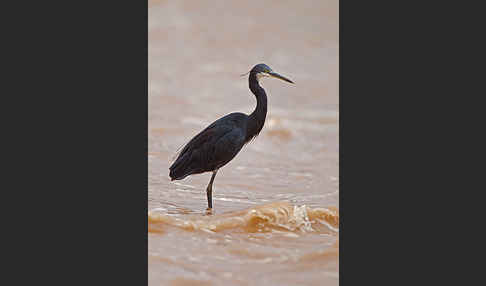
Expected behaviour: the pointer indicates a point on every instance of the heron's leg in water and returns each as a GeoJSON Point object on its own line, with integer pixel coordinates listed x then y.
{"type": "Point", "coordinates": [209, 190]}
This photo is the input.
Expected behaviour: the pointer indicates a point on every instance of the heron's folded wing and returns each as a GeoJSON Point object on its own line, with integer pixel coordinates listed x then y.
{"type": "Point", "coordinates": [210, 134]}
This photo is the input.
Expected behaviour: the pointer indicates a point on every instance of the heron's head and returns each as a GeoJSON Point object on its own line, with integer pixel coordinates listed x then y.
{"type": "Point", "coordinates": [262, 70]}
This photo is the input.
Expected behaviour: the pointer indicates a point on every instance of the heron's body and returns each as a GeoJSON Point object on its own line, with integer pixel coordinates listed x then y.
{"type": "Point", "coordinates": [219, 143]}
{"type": "Point", "coordinates": [212, 148]}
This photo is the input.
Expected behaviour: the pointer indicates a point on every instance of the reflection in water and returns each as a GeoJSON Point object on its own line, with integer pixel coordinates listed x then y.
{"type": "Point", "coordinates": [275, 219]}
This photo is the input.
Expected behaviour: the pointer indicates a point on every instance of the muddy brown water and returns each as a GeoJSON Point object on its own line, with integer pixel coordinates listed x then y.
{"type": "Point", "coordinates": [275, 218]}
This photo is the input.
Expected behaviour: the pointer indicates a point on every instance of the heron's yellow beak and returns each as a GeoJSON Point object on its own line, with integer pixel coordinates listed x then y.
{"type": "Point", "coordinates": [276, 75]}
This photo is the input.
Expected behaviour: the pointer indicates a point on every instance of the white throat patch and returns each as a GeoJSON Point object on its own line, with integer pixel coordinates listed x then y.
{"type": "Point", "coordinates": [261, 75]}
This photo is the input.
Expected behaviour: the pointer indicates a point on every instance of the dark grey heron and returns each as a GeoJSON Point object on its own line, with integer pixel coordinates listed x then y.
{"type": "Point", "coordinates": [219, 143]}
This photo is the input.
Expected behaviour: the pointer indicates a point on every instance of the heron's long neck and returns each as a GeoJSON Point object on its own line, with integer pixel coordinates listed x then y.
{"type": "Point", "coordinates": [257, 117]}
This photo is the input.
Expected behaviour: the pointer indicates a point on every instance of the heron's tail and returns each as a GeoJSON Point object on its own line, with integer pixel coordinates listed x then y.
{"type": "Point", "coordinates": [179, 169]}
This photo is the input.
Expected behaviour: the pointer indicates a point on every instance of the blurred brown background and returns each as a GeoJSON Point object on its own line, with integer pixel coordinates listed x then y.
{"type": "Point", "coordinates": [197, 52]}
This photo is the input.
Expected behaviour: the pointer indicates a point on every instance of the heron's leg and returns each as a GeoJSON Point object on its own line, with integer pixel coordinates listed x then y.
{"type": "Point", "coordinates": [209, 190]}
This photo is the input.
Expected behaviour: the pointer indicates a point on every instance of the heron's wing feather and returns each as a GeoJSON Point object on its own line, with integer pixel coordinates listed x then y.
{"type": "Point", "coordinates": [222, 150]}
{"type": "Point", "coordinates": [203, 139]}
{"type": "Point", "coordinates": [215, 130]}
{"type": "Point", "coordinates": [211, 148]}
{"type": "Point", "coordinates": [194, 141]}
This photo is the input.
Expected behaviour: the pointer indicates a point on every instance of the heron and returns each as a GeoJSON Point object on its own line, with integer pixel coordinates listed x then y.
{"type": "Point", "coordinates": [222, 140]}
